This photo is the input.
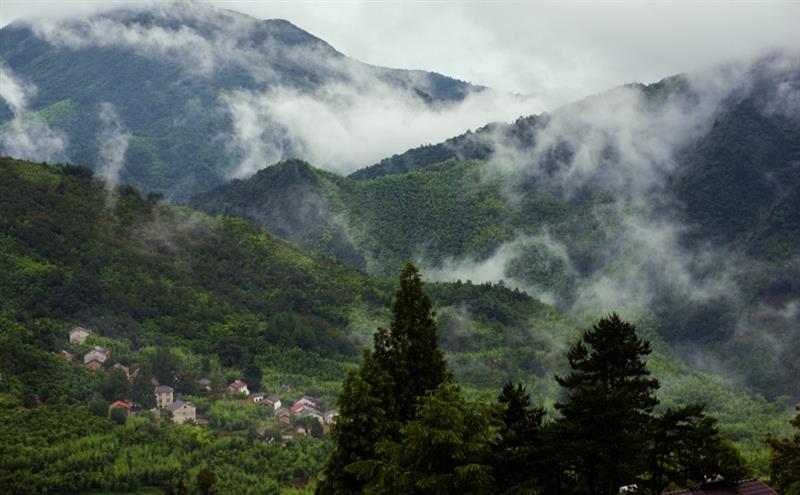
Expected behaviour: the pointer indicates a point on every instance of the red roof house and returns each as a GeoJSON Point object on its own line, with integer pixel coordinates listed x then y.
{"type": "Point", "coordinates": [122, 404]}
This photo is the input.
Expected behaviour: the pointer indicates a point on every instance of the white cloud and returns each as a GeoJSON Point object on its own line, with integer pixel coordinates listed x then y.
{"type": "Point", "coordinates": [27, 135]}
{"type": "Point", "coordinates": [343, 127]}
{"type": "Point", "coordinates": [113, 143]}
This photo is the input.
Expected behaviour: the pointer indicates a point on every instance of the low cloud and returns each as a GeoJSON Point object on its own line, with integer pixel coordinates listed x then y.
{"type": "Point", "coordinates": [27, 135]}
{"type": "Point", "coordinates": [112, 144]}
{"type": "Point", "coordinates": [343, 127]}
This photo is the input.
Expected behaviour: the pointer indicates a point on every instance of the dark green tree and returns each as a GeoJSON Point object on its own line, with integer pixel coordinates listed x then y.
{"type": "Point", "coordinates": [98, 407]}
{"type": "Point", "coordinates": [404, 365]}
{"type": "Point", "coordinates": [117, 386]}
{"type": "Point", "coordinates": [205, 481]}
{"type": "Point", "coordinates": [686, 449]}
{"type": "Point", "coordinates": [365, 407]}
{"type": "Point", "coordinates": [446, 449]}
{"type": "Point", "coordinates": [784, 461]}
{"type": "Point", "coordinates": [409, 350]}
{"type": "Point", "coordinates": [605, 421]}
{"type": "Point", "coordinates": [142, 387]}
{"type": "Point", "coordinates": [518, 451]}
{"type": "Point", "coordinates": [119, 415]}
{"type": "Point", "coordinates": [165, 365]}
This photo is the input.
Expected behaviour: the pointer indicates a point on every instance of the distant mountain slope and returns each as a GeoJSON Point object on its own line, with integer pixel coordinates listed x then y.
{"type": "Point", "coordinates": [177, 81]}
{"type": "Point", "coordinates": [676, 197]}
{"type": "Point", "coordinates": [146, 275]}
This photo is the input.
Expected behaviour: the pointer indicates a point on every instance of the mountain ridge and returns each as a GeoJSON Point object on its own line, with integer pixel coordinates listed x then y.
{"type": "Point", "coordinates": [180, 79]}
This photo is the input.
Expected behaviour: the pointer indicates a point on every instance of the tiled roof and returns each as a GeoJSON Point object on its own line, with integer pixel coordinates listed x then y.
{"type": "Point", "coordinates": [747, 487]}
{"type": "Point", "coordinates": [177, 405]}
{"type": "Point", "coordinates": [164, 389]}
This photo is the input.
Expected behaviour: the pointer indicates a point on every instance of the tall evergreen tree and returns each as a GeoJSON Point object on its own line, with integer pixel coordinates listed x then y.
{"type": "Point", "coordinates": [785, 461]}
{"type": "Point", "coordinates": [410, 350]}
{"type": "Point", "coordinates": [446, 448]}
{"type": "Point", "coordinates": [518, 452]}
{"type": "Point", "coordinates": [685, 449]}
{"type": "Point", "coordinates": [365, 408]}
{"type": "Point", "coordinates": [382, 395]}
{"type": "Point", "coordinates": [605, 421]}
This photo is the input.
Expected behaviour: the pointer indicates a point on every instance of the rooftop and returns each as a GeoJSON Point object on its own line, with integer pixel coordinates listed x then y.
{"type": "Point", "coordinates": [746, 487]}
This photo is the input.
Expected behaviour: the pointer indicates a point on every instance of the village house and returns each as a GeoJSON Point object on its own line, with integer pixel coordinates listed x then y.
{"type": "Point", "coordinates": [121, 404]}
{"type": "Point", "coordinates": [283, 416]}
{"type": "Point", "coordinates": [307, 400]}
{"type": "Point", "coordinates": [66, 355]}
{"type": "Point", "coordinates": [238, 387]}
{"type": "Point", "coordinates": [164, 396]}
{"type": "Point", "coordinates": [745, 487]}
{"type": "Point", "coordinates": [257, 397]}
{"type": "Point", "coordinates": [273, 401]}
{"type": "Point", "coordinates": [94, 364]}
{"type": "Point", "coordinates": [98, 353]}
{"type": "Point", "coordinates": [306, 411]}
{"type": "Point", "coordinates": [78, 335]}
{"type": "Point", "coordinates": [182, 412]}
{"type": "Point", "coordinates": [330, 416]}
{"type": "Point", "coordinates": [205, 383]}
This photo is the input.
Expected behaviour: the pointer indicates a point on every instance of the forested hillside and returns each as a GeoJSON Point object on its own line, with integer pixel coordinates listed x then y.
{"type": "Point", "coordinates": [164, 88]}
{"type": "Point", "coordinates": [182, 295]}
{"type": "Point", "coordinates": [674, 198]}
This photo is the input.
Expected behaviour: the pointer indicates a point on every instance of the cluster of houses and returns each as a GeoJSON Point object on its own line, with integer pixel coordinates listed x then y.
{"type": "Point", "coordinates": [97, 357]}
{"type": "Point", "coordinates": [182, 411]}
{"type": "Point", "coordinates": [303, 407]}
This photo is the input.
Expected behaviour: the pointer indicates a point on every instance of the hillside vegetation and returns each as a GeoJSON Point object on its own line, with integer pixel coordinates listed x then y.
{"type": "Point", "coordinates": [689, 218]}
{"type": "Point", "coordinates": [186, 296]}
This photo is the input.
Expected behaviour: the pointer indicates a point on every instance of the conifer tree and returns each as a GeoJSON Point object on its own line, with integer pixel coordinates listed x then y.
{"type": "Point", "coordinates": [446, 448]}
{"type": "Point", "coordinates": [518, 452]}
{"type": "Point", "coordinates": [685, 449]}
{"type": "Point", "coordinates": [785, 461]}
{"type": "Point", "coordinates": [605, 420]}
{"type": "Point", "coordinates": [382, 395]}
{"type": "Point", "coordinates": [410, 350]}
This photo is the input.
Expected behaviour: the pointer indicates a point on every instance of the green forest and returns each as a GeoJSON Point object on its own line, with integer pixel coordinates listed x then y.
{"type": "Point", "coordinates": [180, 296]}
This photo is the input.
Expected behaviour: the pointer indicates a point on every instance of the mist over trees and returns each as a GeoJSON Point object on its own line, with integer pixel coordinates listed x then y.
{"type": "Point", "coordinates": [406, 427]}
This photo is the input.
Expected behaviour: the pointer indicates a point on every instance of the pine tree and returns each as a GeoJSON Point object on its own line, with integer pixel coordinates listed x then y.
{"type": "Point", "coordinates": [445, 449]}
{"type": "Point", "coordinates": [410, 350]}
{"type": "Point", "coordinates": [785, 461]}
{"type": "Point", "coordinates": [605, 421]}
{"type": "Point", "coordinates": [518, 452]}
{"type": "Point", "coordinates": [685, 448]}
{"type": "Point", "coordinates": [382, 395]}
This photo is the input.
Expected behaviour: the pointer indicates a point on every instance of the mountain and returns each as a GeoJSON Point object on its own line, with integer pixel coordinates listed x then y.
{"type": "Point", "coordinates": [675, 197]}
{"type": "Point", "coordinates": [184, 295]}
{"type": "Point", "coordinates": [169, 89]}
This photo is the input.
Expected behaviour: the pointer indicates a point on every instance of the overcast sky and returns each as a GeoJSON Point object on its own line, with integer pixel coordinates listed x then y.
{"type": "Point", "coordinates": [557, 51]}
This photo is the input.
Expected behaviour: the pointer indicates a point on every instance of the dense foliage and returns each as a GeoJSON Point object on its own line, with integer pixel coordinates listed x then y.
{"type": "Point", "coordinates": [705, 236]}
{"type": "Point", "coordinates": [173, 112]}
{"type": "Point", "coordinates": [186, 296]}
{"type": "Point", "coordinates": [785, 460]}
{"type": "Point", "coordinates": [605, 437]}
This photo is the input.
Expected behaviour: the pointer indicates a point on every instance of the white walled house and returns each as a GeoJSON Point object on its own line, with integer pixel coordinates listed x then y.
{"type": "Point", "coordinates": [238, 386]}
{"type": "Point", "coordinates": [164, 396]}
{"type": "Point", "coordinates": [182, 412]}
{"type": "Point", "coordinates": [97, 354]}
{"type": "Point", "coordinates": [78, 335]}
